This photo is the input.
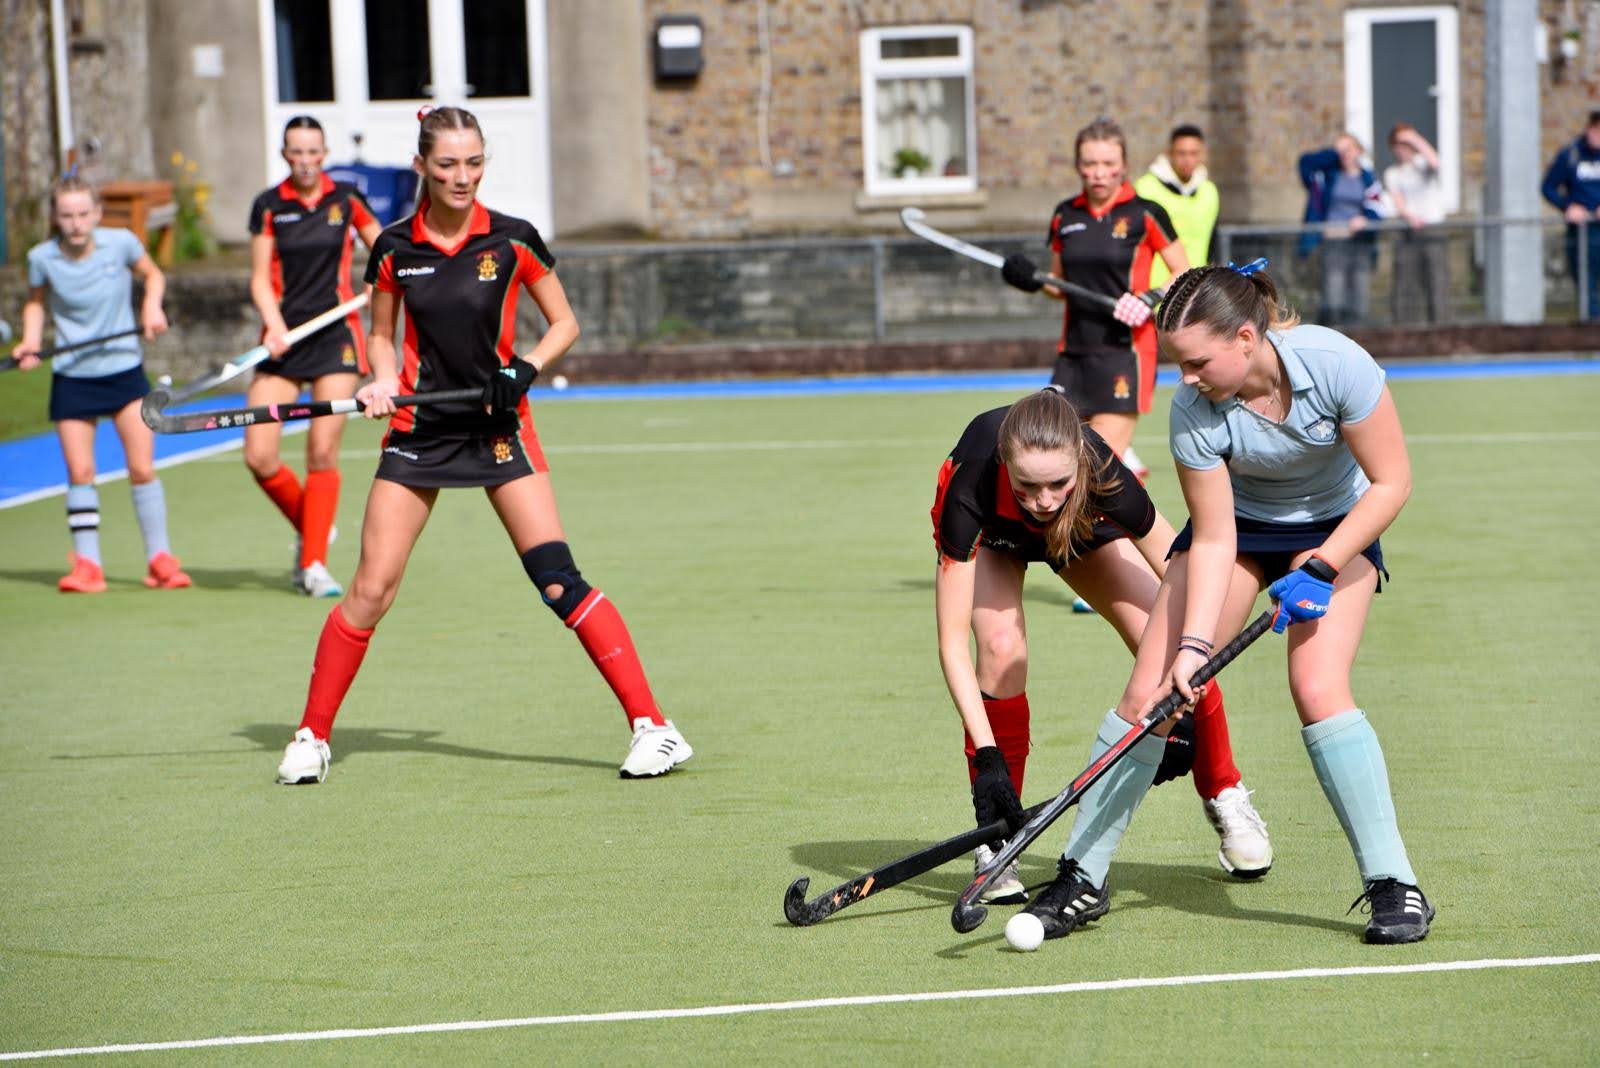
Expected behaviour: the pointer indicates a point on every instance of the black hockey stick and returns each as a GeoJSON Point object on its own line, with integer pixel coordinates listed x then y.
{"type": "Point", "coordinates": [914, 220]}
{"type": "Point", "coordinates": [160, 398]}
{"type": "Point", "coordinates": [12, 363]}
{"type": "Point", "coordinates": [803, 913]}
{"type": "Point", "coordinates": [189, 422]}
{"type": "Point", "coordinates": [967, 914]}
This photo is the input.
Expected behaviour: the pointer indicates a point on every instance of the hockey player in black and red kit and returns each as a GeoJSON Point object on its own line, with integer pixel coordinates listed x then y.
{"type": "Point", "coordinates": [1105, 239]}
{"type": "Point", "coordinates": [1030, 482]}
{"type": "Point", "coordinates": [457, 268]}
{"type": "Point", "coordinates": [300, 246]}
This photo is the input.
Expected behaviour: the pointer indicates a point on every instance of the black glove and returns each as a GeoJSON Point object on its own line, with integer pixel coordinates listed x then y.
{"type": "Point", "coordinates": [507, 385]}
{"type": "Point", "coordinates": [993, 797]}
{"type": "Point", "coordinates": [1177, 759]}
{"type": "Point", "coordinates": [1019, 270]}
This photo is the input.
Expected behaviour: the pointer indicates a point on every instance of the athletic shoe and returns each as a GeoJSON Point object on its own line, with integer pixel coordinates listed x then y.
{"type": "Point", "coordinates": [1399, 912]}
{"type": "Point", "coordinates": [305, 760]}
{"type": "Point", "coordinates": [1082, 607]}
{"type": "Point", "coordinates": [1246, 852]}
{"type": "Point", "coordinates": [1007, 888]}
{"type": "Point", "coordinates": [1070, 901]}
{"type": "Point", "coordinates": [316, 582]}
{"type": "Point", "coordinates": [85, 576]}
{"type": "Point", "coordinates": [655, 750]}
{"type": "Point", "coordinates": [297, 574]}
{"type": "Point", "coordinates": [1131, 461]}
{"type": "Point", "coordinates": [166, 574]}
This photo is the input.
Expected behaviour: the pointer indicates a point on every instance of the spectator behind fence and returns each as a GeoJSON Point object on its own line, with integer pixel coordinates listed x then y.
{"type": "Point", "coordinates": [1572, 186]}
{"type": "Point", "coordinates": [1343, 196]}
{"type": "Point", "coordinates": [1421, 256]}
{"type": "Point", "coordinates": [1178, 182]}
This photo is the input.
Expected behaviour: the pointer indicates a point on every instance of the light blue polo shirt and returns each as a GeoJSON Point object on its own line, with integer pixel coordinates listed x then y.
{"type": "Point", "coordinates": [1300, 470]}
{"type": "Point", "coordinates": [91, 297]}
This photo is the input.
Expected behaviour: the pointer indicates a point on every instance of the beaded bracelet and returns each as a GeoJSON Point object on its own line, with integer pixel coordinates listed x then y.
{"type": "Point", "coordinates": [1202, 650]}
{"type": "Point", "coordinates": [1194, 638]}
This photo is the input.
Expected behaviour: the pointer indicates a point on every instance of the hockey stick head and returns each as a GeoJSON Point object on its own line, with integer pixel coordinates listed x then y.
{"type": "Point", "coordinates": [967, 918]}
{"type": "Point", "coordinates": [150, 407]}
{"type": "Point", "coordinates": [911, 215]}
{"type": "Point", "coordinates": [794, 904]}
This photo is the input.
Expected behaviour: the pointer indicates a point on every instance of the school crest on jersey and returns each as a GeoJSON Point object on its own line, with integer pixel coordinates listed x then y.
{"type": "Point", "coordinates": [1120, 229]}
{"type": "Point", "coordinates": [1119, 388]}
{"type": "Point", "coordinates": [502, 450]}
{"type": "Point", "coordinates": [1321, 431]}
{"type": "Point", "coordinates": [488, 267]}
{"type": "Point", "coordinates": [335, 215]}
{"type": "Point", "coordinates": [347, 355]}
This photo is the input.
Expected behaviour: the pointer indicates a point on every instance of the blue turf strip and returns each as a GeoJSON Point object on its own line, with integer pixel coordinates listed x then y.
{"type": "Point", "coordinates": [31, 468]}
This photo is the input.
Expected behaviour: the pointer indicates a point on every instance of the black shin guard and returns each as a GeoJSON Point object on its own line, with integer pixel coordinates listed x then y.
{"type": "Point", "coordinates": [551, 564]}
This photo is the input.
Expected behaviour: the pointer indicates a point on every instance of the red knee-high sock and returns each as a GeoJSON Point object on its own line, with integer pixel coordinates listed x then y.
{"type": "Point", "coordinates": [604, 635]}
{"type": "Point", "coordinates": [1008, 720]}
{"type": "Point", "coordinates": [1214, 770]}
{"type": "Point", "coordinates": [339, 654]}
{"type": "Point", "coordinates": [284, 489]}
{"type": "Point", "coordinates": [318, 505]}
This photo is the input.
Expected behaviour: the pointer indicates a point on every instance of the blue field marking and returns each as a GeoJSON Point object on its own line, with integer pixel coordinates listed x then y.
{"type": "Point", "coordinates": [32, 468]}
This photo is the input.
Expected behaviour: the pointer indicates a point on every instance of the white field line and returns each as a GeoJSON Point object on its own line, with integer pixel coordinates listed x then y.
{"type": "Point", "coordinates": [813, 1003]}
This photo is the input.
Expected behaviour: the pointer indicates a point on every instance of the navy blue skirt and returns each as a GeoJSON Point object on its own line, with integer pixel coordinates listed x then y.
{"type": "Point", "coordinates": [91, 398]}
{"type": "Point", "coordinates": [1275, 545]}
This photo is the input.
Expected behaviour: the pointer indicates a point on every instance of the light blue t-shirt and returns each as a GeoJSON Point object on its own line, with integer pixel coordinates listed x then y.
{"type": "Point", "coordinates": [91, 297]}
{"type": "Point", "coordinates": [1300, 470]}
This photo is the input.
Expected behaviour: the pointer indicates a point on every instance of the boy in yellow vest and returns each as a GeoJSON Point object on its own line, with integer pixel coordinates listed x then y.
{"type": "Point", "coordinates": [1177, 181]}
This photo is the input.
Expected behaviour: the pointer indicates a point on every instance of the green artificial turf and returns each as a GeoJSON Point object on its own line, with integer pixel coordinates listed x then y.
{"type": "Point", "coordinates": [473, 854]}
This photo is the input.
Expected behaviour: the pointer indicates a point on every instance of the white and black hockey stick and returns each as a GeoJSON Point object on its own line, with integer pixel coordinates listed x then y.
{"type": "Point", "coordinates": [190, 422]}
{"type": "Point", "coordinates": [967, 914]}
{"type": "Point", "coordinates": [915, 220]}
{"type": "Point", "coordinates": [11, 363]}
{"type": "Point", "coordinates": [162, 396]}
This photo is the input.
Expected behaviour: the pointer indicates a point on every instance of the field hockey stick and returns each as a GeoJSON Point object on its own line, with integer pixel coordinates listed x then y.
{"type": "Point", "coordinates": [803, 913]}
{"type": "Point", "coordinates": [12, 363]}
{"type": "Point", "coordinates": [967, 914]}
{"type": "Point", "coordinates": [159, 398]}
{"type": "Point", "coordinates": [189, 422]}
{"type": "Point", "coordinates": [914, 220]}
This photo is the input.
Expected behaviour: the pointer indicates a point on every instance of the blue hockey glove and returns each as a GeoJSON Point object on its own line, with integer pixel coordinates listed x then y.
{"type": "Point", "coordinates": [1302, 594]}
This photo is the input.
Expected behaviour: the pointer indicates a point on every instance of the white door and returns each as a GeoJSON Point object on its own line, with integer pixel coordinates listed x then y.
{"type": "Point", "coordinates": [365, 67]}
{"type": "Point", "coordinates": [1401, 65]}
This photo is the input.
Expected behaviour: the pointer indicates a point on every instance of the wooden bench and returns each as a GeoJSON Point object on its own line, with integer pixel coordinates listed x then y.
{"type": "Point", "coordinates": [143, 206]}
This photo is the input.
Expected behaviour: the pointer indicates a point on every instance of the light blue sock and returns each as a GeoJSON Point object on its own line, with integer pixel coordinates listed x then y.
{"type": "Point", "coordinates": [150, 505]}
{"type": "Point", "coordinates": [1345, 752]}
{"type": "Point", "coordinates": [1106, 810]}
{"type": "Point", "coordinates": [83, 519]}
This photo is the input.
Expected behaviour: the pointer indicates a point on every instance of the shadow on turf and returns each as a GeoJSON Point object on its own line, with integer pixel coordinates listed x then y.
{"type": "Point", "coordinates": [1052, 593]}
{"type": "Point", "coordinates": [271, 737]}
{"type": "Point", "coordinates": [1190, 888]}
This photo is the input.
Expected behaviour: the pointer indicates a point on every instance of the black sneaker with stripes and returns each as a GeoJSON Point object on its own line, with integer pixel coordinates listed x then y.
{"type": "Point", "coordinates": [1399, 912]}
{"type": "Point", "coordinates": [1069, 901]}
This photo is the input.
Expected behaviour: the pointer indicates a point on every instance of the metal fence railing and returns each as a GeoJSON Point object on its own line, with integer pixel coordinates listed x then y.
{"type": "Point", "coordinates": [900, 288]}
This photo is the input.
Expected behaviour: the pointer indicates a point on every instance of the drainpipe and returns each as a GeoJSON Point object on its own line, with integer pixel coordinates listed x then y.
{"type": "Point", "coordinates": [58, 49]}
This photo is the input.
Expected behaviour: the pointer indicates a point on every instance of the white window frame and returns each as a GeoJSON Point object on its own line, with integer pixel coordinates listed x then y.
{"type": "Point", "coordinates": [874, 68]}
{"type": "Point", "coordinates": [1447, 99]}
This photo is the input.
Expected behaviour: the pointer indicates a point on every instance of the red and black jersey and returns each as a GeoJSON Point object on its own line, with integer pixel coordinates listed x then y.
{"type": "Point", "coordinates": [461, 312]}
{"type": "Point", "coordinates": [311, 243]}
{"type": "Point", "coordinates": [975, 504]}
{"type": "Point", "coordinates": [1108, 253]}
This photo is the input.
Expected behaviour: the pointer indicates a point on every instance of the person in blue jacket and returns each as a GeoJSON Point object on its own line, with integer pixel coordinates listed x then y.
{"type": "Point", "coordinates": [1572, 186]}
{"type": "Point", "coordinates": [1343, 196]}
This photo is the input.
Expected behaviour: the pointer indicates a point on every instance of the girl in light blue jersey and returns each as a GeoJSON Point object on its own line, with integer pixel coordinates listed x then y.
{"type": "Point", "coordinates": [82, 277]}
{"type": "Point", "coordinates": [1292, 462]}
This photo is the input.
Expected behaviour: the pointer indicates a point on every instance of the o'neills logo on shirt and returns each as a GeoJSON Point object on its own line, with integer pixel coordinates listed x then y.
{"type": "Point", "coordinates": [407, 272]}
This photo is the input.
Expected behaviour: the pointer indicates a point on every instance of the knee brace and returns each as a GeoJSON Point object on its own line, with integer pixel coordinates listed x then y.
{"type": "Point", "coordinates": [551, 564]}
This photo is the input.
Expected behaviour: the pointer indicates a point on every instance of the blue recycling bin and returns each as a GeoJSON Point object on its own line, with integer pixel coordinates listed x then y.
{"type": "Point", "coordinates": [389, 191]}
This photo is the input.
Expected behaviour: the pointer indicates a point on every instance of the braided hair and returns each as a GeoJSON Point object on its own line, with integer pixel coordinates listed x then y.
{"type": "Point", "coordinates": [1046, 421]}
{"type": "Point", "coordinates": [1224, 298]}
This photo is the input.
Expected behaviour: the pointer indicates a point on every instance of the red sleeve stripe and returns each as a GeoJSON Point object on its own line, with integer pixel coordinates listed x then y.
{"type": "Point", "coordinates": [386, 280]}
{"type": "Point", "coordinates": [1155, 235]}
{"type": "Point", "coordinates": [359, 215]}
{"type": "Point", "coordinates": [529, 267]}
{"type": "Point", "coordinates": [1055, 233]}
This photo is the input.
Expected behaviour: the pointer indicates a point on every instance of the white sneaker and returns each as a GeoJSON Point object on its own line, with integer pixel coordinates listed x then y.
{"type": "Point", "coordinates": [654, 750]}
{"type": "Point", "coordinates": [297, 575]}
{"type": "Point", "coordinates": [305, 760]}
{"type": "Point", "coordinates": [1007, 888]}
{"type": "Point", "coordinates": [316, 582]}
{"type": "Point", "coordinates": [1246, 852]}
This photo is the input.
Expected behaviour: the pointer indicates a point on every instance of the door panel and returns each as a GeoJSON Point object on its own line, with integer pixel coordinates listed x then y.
{"type": "Point", "coordinates": [1404, 83]}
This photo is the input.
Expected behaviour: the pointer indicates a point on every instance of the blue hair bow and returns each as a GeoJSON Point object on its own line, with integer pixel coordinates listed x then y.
{"type": "Point", "coordinates": [1250, 268]}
